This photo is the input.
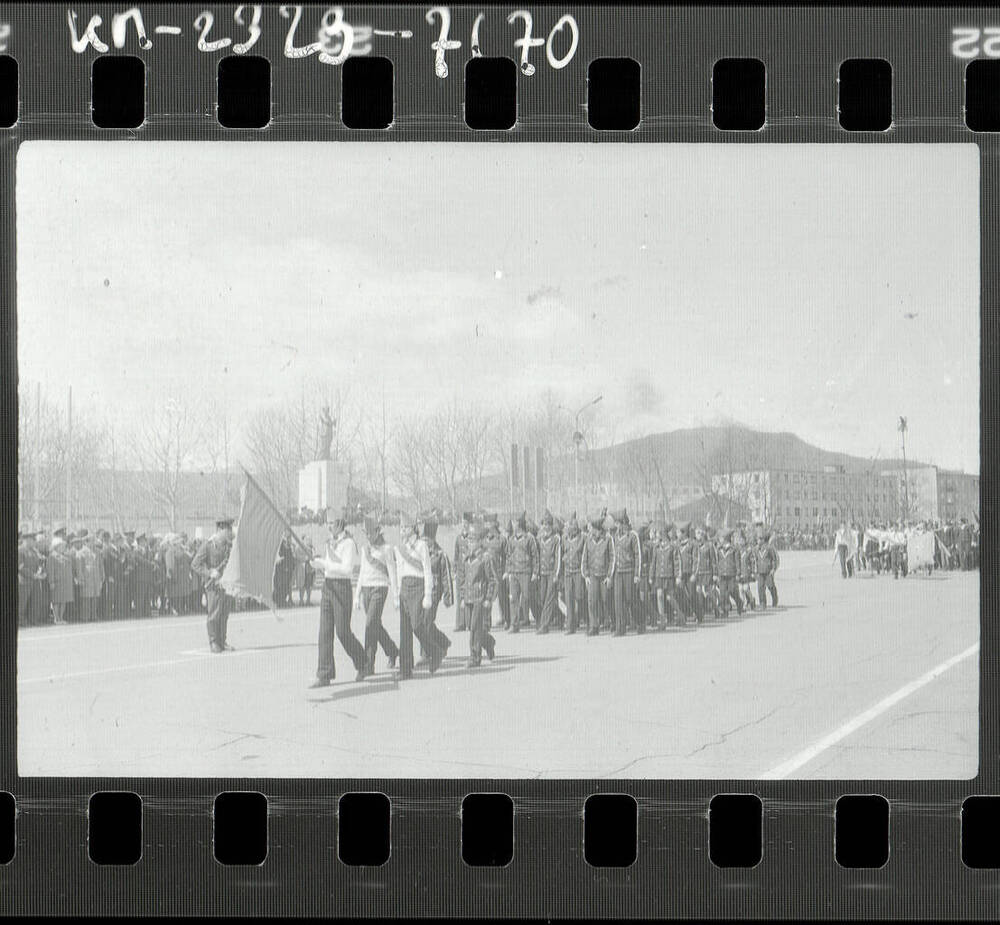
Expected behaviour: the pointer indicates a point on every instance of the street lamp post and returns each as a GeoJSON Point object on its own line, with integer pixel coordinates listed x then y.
{"type": "Point", "coordinates": [578, 440]}
{"type": "Point", "coordinates": [906, 480]}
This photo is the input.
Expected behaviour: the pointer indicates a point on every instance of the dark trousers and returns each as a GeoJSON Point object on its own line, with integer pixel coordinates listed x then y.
{"type": "Point", "coordinates": [218, 615]}
{"type": "Point", "coordinates": [897, 556]}
{"type": "Point", "coordinates": [964, 558]}
{"type": "Point", "coordinates": [413, 621]}
{"type": "Point", "coordinates": [143, 593]}
{"type": "Point", "coordinates": [478, 634]}
{"type": "Point", "coordinates": [335, 620]}
{"type": "Point", "coordinates": [461, 613]}
{"type": "Point", "coordinates": [729, 591]}
{"type": "Point", "coordinates": [666, 599]}
{"type": "Point", "coordinates": [373, 601]}
{"type": "Point", "coordinates": [766, 583]}
{"type": "Point", "coordinates": [503, 599]}
{"type": "Point", "coordinates": [550, 600]}
{"type": "Point", "coordinates": [684, 595]}
{"type": "Point", "coordinates": [696, 600]}
{"type": "Point", "coordinates": [846, 563]}
{"type": "Point", "coordinates": [597, 603]}
{"type": "Point", "coordinates": [624, 592]}
{"type": "Point", "coordinates": [441, 641]}
{"type": "Point", "coordinates": [520, 599]}
{"type": "Point", "coordinates": [575, 592]}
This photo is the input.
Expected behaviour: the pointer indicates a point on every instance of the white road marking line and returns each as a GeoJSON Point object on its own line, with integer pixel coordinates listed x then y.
{"type": "Point", "coordinates": [790, 766]}
{"type": "Point", "coordinates": [136, 626]}
{"type": "Point", "coordinates": [167, 30]}
{"type": "Point", "coordinates": [194, 655]}
{"type": "Point", "coordinates": [83, 674]}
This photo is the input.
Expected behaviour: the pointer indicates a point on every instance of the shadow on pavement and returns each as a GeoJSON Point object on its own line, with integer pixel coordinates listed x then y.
{"type": "Point", "coordinates": [452, 666]}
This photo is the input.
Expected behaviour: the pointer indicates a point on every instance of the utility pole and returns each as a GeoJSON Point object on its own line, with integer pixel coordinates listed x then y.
{"type": "Point", "coordinates": [36, 507]}
{"type": "Point", "coordinates": [69, 457]}
{"type": "Point", "coordinates": [906, 480]}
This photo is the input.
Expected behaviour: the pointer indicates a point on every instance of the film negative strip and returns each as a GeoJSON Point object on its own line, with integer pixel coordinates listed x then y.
{"type": "Point", "coordinates": [644, 379]}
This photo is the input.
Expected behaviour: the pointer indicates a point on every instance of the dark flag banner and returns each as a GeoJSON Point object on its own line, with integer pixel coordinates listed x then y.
{"type": "Point", "coordinates": [259, 529]}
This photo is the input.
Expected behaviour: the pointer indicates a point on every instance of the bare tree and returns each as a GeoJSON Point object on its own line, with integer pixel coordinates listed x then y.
{"type": "Point", "coordinates": [165, 445]}
{"type": "Point", "coordinates": [409, 464]}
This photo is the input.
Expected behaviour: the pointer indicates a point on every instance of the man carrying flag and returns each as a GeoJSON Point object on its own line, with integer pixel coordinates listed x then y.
{"type": "Point", "coordinates": [209, 562]}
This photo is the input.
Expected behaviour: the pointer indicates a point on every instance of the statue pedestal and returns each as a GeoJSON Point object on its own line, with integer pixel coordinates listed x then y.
{"type": "Point", "coordinates": [323, 484]}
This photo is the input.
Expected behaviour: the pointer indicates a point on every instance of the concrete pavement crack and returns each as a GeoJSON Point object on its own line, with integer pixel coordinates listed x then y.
{"type": "Point", "coordinates": [725, 735]}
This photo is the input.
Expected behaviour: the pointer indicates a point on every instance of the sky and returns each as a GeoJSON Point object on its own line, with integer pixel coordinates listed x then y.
{"type": "Point", "coordinates": [818, 289]}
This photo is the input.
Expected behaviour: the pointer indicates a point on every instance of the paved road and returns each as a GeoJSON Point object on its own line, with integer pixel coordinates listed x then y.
{"type": "Point", "coordinates": [862, 678]}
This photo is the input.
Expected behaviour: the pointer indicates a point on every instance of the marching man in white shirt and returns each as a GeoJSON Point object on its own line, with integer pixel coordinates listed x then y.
{"type": "Point", "coordinates": [337, 567]}
{"type": "Point", "coordinates": [377, 576]}
{"type": "Point", "coordinates": [413, 570]}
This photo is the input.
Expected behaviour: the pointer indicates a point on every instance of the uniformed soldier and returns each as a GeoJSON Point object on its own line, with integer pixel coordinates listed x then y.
{"type": "Point", "coordinates": [481, 581]}
{"type": "Point", "coordinates": [574, 589]}
{"type": "Point", "coordinates": [522, 568]}
{"type": "Point", "coordinates": [729, 570]}
{"type": "Point", "coordinates": [747, 569]}
{"type": "Point", "coordinates": [597, 566]}
{"type": "Point", "coordinates": [666, 571]}
{"type": "Point", "coordinates": [767, 562]}
{"type": "Point", "coordinates": [549, 570]}
{"type": "Point", "coordinates": [461, 554]}
{"type": "Point", "coordinates": [701, 573]}
{"type": "Point", "coordinates": [644, 593]}
{"type": "Point", "coordinates": [685, 551]}
{"type": "Point", "coordinates": [496, 545]}
{"type": "Point", "coordinates": [209, 562]}
{"type": "Point", "coordinates": [628, 565]}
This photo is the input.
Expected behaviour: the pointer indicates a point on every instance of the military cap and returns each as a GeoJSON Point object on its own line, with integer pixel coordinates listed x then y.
{"type": "Point", "coordinates": [141, 536]}
{"type": "Point", "coordinates": [622, 517]}
{"type": "Point", "coordinates": [726, 534]}
{"type": "Point", "coordinates": [129, 533]}
{"type": "Point", "coordinates": [573, 525]}
{"type": "Point", "coordinates": [558, 525]}
{"type": "Point", "coordinates": [684, 527]}
{"type": "Point", "coordinates": [547, 518]}
{"type": "Point", "coordinates": [223, 520]}
{"type": "Point", "coordinates": [609, 522]}
{"type": "Point", "coordinates": [522, 520]}
{"type": "Point", "coordinates": [597, 521]}
{"type": "Point", "coordinates": [82, 532]}
{"type": "Point", "coordinates": [59, 530]}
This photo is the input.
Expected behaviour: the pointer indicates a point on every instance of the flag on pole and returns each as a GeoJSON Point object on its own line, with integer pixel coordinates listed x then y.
{"type": "Point", "coordinates": [259, 529]}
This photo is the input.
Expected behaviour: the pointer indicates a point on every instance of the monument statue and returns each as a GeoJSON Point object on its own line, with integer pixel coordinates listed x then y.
{"type": "Point", "coordinates": [326, 425]}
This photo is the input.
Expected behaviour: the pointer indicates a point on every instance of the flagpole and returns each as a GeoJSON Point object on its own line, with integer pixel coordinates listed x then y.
{"type": "Point", "coordinates": [274, 508]}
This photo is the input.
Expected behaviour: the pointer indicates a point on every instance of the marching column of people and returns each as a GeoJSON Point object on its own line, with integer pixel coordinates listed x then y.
{"type": "Point", "coordinates": [555, 575]}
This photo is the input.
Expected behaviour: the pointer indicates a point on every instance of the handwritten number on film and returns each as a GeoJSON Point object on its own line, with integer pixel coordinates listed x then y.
{"type": "Point", "coordinates": [335, 40]}
{"type": "Point", "coordinates": [969, 42]}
